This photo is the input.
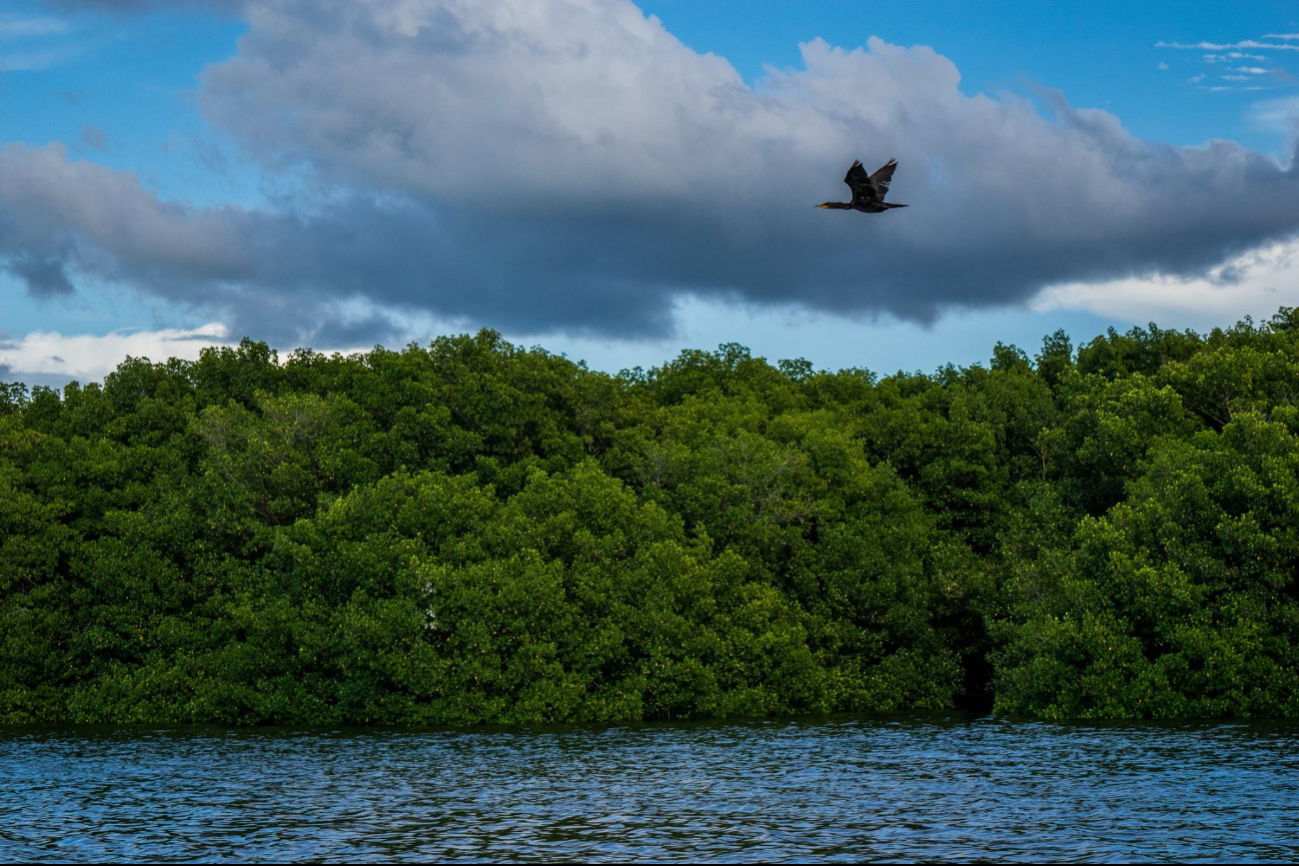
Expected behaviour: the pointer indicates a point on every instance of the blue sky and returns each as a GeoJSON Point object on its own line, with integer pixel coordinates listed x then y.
{"type": "Point", "coordinates": [365, 191]}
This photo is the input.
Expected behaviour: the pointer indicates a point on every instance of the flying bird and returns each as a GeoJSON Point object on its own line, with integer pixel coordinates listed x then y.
{"type": "Point", "coordinates": [867, 192]}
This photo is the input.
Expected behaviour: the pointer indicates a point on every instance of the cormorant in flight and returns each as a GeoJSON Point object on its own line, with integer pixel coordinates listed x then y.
{"type": "Point", "coordinates": [867, 192]}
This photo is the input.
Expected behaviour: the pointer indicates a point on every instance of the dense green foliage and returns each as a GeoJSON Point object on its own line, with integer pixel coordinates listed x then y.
{"type": "Point", "coordinates": [471, 532]}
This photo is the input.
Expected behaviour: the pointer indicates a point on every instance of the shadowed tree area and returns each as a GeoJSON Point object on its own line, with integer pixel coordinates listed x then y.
{"type": "Point", "coordinates": [472, 532]}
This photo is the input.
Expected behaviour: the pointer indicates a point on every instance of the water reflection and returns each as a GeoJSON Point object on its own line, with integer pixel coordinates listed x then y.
{"type": "Point", "coordinates": [829, 789]}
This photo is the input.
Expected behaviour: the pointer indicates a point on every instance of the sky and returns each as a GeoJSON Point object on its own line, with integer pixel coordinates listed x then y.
{"type": "Point", "coordinates": [618, 182]}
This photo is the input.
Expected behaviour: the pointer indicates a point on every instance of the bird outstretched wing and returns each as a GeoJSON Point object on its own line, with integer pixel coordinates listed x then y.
{"type": "Point", "coordinates": [873, 188]}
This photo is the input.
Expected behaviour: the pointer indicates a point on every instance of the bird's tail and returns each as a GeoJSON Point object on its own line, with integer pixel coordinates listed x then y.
{"type": "Point", "coordinates": [893, 204]}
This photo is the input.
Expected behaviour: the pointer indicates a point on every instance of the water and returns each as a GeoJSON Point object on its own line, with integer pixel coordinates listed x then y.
{"type": "Point", "coordinates": [841, 789]}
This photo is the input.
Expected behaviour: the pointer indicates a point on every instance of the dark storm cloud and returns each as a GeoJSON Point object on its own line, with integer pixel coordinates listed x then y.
{"type": "Point", "coordinates": [288, 277]}
{"type": "Point", "coordinates": [569, 165]}
{"type": "Point", "coordinates": [42, 275]}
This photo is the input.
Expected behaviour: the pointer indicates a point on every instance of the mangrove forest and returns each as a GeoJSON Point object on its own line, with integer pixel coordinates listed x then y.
{"type": "Point", "coordinates": [475, 532]}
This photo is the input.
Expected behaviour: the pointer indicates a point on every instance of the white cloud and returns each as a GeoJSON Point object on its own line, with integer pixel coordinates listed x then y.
{"type": "Point", "coordinates": [1281, 36]}
{"type": "Point", "coordinates": [1223, 46]}
{"type": "Point", "coordinates": [11, 26]}
{"type": "Point", "coordinates": [1276, 115]}
{"type": "Point", "coordinates": [1162, 66]}
{"type": "Point", "coordinates": [1232, 55]}
{"type": "Point", "coordinates": [1251, 70]}
{"type": "Point", "coordinates": [1255, 283]}
{"type": "Point", "coordinates": [88, 357]}
{"type": "Point", "coordinates": [35, 61]}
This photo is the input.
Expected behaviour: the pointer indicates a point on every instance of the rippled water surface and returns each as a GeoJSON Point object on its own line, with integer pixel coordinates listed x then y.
{"type": "Point", "coordinates": [834, 789]}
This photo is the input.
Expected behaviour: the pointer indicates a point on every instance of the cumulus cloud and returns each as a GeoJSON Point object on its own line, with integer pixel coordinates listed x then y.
{"type": "Point", "coordinates": [1257, 283]}
{"type": "Point", "coordinates": [52, 358]}
{"type": "Point", "coordinates": [296, 276]}
{"type": "Point", "coordinates": [569, 165]}
{"type": "Point", "coordinates": [48, 357]}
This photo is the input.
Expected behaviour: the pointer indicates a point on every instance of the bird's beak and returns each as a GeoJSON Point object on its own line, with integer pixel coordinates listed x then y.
{"type": "Point", "coordinates": [820, 206]}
